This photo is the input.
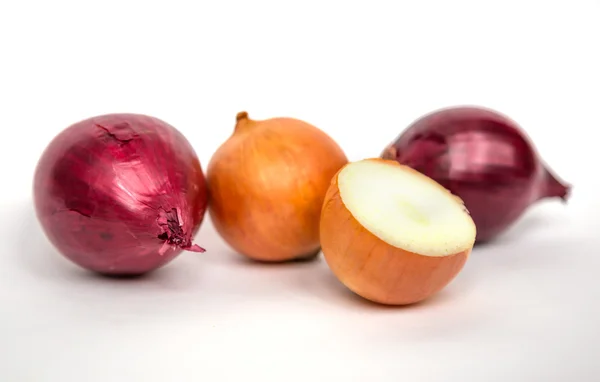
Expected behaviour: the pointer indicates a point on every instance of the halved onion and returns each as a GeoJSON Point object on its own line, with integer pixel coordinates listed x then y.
{"type": "Point", "coordinates": [391, 234]}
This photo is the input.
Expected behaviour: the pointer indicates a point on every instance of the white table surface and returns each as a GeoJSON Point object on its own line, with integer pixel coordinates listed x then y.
{"type": "Point", "coordinates": [525, 308]}
{"type": "Point", "coordinates": [521, 311]}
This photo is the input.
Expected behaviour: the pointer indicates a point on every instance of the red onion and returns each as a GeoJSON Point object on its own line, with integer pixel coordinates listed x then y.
{"type": "Point", "coordinates": [120, 194]}
{"type": "Point", "coordinates": [482, 157]}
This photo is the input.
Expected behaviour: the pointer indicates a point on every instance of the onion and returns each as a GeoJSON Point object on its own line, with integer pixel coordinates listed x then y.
{"type": "Point", "coordinates": [391, 234]}
{"type": "Point", "coordinates": [267, 183]}
{"type": "Point", "coordinates": [120, 194]}
{"type": "Point", "coordinates": [484, 158]}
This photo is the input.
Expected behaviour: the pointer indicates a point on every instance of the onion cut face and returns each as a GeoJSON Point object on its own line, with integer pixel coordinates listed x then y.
{"type": "Point", "coordinates": [120, 194]}
{"type": "Point", "coordinates": [484, 158]}
{"type": "Point", "coordinates": [391, 234]}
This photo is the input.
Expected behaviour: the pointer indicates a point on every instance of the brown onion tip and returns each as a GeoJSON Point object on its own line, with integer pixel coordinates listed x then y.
{"type": "Point", "coordinates": [389, 153]}
{"type": "Point", "coordinates": [241, 115]}
{"type": "Point", "coordinates": [242, 121]}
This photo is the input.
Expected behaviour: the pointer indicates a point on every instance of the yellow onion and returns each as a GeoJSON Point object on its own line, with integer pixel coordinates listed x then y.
{"type": "Point", "coordinates": [267, 183]}
{"type": "Point", "coordinates": [393, 235]}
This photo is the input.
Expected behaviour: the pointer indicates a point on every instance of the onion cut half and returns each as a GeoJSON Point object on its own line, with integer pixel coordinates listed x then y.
{"type": "Point", "coordinates": [391, 234]}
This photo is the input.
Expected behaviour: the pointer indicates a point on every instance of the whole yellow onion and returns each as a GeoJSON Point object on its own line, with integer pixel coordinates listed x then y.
{"type": "Point", "coordinates": [267, 183]}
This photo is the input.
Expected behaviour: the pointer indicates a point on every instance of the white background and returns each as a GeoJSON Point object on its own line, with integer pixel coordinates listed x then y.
{"type": "Point", "coordinates": [523, 309]}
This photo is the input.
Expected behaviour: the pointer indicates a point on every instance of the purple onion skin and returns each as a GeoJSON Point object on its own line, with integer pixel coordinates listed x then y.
{"type": "Point", "coordinates": [484, 158]}
{"type": "Point", "coordinates": [120, 194]}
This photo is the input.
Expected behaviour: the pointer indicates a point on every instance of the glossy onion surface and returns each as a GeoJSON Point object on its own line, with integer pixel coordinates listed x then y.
{"type": "Point", "coordinates": [484, 158]}
{"type": "Point", "coordinates": [120, 194]}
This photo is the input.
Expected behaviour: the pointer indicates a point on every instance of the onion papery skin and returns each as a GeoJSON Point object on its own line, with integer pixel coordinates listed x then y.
{"type": "Point", "coordinates": [120, 194]}
{"type": "Point", "coordinates": [484, 158]}
{"type": "Point", "coordinates": [267, 183]}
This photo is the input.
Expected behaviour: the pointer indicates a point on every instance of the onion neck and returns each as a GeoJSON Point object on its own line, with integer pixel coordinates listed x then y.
{"type": "Point", "coordinates": [552, 187]}
{"type": "Point", "coordinates": [242, 122]}
{"type": "Point", "coordinates": [390, 153]}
